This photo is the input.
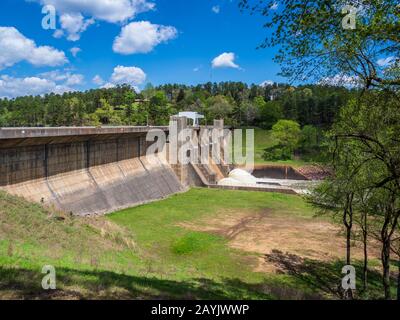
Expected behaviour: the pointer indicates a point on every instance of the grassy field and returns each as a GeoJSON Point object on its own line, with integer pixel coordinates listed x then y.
{"type": "Point", "coordinates": [262, 140]}
{"type": "Point", "coordinates": [161, 250]}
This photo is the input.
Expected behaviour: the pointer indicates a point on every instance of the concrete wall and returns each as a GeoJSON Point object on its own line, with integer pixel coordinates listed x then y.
{"type": "Point", "coordinates": [277, 172]}
{"type": "Point", "coordinates": [91, 170]}
{"type": "Point", "coordinates": [86, 175]}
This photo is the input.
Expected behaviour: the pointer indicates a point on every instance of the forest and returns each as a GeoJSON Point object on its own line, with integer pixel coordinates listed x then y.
{"type": "Point", "coordinates": [236, 102]}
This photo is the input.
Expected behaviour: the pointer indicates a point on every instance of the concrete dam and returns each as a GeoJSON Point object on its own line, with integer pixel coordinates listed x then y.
{"type": "Point", "coordinates": [88, 170]}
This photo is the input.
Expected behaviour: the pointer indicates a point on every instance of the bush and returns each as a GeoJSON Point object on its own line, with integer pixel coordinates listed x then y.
{"type": "Point", "coordinates": [277, 152]}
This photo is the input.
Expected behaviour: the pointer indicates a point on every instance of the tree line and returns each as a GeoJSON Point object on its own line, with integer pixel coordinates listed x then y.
{"type": "Point", "coordinates": [236, 102]}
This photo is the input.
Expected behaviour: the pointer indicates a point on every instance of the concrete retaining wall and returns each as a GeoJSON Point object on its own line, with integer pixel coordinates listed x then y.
{"type": "Point", "coordinates": [277, 172]}
{"type": "Point", "coordinates": [249, 188]}
{"type": "Point", "coordinates": [88, 175]}
{"type": "Point", "coordinates": [87, 170]}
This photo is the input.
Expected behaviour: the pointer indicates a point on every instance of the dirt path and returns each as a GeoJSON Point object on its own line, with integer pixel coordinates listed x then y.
{"type": "Point", "coordinates": [265, 232]}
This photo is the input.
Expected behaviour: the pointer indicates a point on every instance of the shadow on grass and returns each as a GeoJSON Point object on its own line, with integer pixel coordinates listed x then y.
{"type": "Point", "coordinates": [324, 277]}
{"type": "Point", "coordinates": [309, 279]}
{"type": "Point", "coordinates": [78, 284]}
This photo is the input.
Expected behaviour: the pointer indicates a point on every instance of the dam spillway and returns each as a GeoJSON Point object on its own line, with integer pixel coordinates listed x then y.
{"type": "Point", "coordinates": [84, 170]}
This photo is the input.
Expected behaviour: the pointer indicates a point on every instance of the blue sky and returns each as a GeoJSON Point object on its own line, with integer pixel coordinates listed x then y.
{"type": "Point", "coordinates": [160, 41]}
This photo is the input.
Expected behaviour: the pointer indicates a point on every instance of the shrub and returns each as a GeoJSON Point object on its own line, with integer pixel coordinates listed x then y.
{"type": "Point", "coordinates": [277, 152]}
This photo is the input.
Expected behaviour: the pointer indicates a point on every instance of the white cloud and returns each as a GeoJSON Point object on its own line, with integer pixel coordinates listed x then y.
{"type": "Point", "coordinates": [55, 75]}
{"type": "Point", "coordinates": [386, 62]}
{"type": "Point", "coordinates": [74, 24]}
{"type": "Point", "coordinates": [266, 83]}
{"type": "Point", "coordinates": [58, 34]}
{"type": "Point", "coordinates": [56, 81]}
{"type": "Point", "coordinates": [15, 47]}
{"type": "Point", "coordinates": [98, 80]}
{"type": "Point", "coordinates": [74, 79]}
{"type": "Point", "coordinates": [275, 6]}
{"type": "Point", "coordinates": [341, 80]}
{"type": "Point", "coordinates": [133, 76]}
{"type": "Point", "coordinates": [216, 9]}
{"type": "Point", "coordinates": [75, 50]}
{"type": "Point", "coordinates": [108, 10]}
{"type": "Point", "coordinates": [11, 87]}
{"type": "Point", "coordinates": [142, 37]}
{"type": "Point", "coordinates": [108, 85]}
{"type": "Point", "coordinates": [113, 11]}
{"type": "Point", "coordinates": [67, 78]}
{"type": "Point", "coordinates": [129, 75]}
{"type": "Point", "coordinates": [225, 60]}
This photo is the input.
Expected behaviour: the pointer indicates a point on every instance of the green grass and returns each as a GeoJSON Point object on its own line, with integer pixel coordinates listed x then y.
{"type": "Point", "coordinates": [192, 243]}
{"type": "Point", "coordinates": [145, 252]}
{"type": "Point", "coordinates": [263, 140]}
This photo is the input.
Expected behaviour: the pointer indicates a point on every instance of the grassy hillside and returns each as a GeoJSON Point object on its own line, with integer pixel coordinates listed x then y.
{"type": "Point", "coordinates": [31, 237]}
{"type": "Point", "coordinates": [165, 249]}
{"type": "Point", "coordinates": [262, 140]}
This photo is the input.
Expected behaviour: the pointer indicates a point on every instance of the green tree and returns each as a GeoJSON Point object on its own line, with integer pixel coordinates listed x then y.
{"type": "Point", "coordinates": [5, 117]}
{"type": "Point", "coordinates": [371, 126]}
{"type": "Point", "coordinates": [75, 111]}
{"type": "Point", "coordinates": [159, 108]}
{"type": "Point", "coordinates": [286, 134]}
{"type": "Point", "coordinates": [106, 115]}
{"type": "Point", "coordinates": [314, 45]}
{"type": "Point", "coordinates": [219, 107]}
{"type": "Point", "coordinates": [270, 112]}
{"type": "Point", "coordinates": [365, 160]}
{"type": "Point", "coordinates": [309, 138]}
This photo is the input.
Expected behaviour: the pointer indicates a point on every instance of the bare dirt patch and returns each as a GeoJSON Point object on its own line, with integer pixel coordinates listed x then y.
{"type": "Point", "coordinates": [264, 232]}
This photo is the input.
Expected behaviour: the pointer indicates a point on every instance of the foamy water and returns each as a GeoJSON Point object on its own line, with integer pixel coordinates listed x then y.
{"type": "Point", "coordinates": [241, 178]}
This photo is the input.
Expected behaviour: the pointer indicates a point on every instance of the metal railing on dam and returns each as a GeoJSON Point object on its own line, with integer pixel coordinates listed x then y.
{"type": "Point", "coordinates": [15, 135]}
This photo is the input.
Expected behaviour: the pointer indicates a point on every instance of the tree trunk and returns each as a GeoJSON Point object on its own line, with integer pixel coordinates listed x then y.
{"type": "Point", "coordinates": [398, 278]}
{"type": "Point", "coordinates": [365, 266]}
{"type": "Point", "coordinates": [365, 242]}
{"type": "Point", "coordinates": [348, 222]}
{"type": "Point", "coordinates": [389, 227]}
{"type": "Point", "coordinates": [386, 268]}
{"type": "Point", "coordinates": [348, 245]}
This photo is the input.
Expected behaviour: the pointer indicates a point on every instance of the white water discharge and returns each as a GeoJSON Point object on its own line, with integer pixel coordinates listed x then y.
{"type": "Point", "coordinates": [242, 178]}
